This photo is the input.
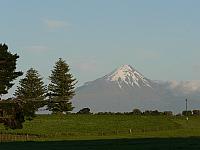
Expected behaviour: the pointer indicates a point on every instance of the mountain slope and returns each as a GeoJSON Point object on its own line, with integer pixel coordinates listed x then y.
{"type": "Point", "coordinates": [125, 88]}
{"type": "Point", "coordinates": [120, 90]}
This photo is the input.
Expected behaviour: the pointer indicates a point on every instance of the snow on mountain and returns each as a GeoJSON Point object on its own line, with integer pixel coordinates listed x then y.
{"type": "Point", "coordinates": [129, 76]}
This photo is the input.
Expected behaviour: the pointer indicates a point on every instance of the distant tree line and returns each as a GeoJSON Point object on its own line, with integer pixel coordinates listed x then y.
{"type": "Point", "coordinates": [134, 112]}
{"type": "Point", "coordinates": [145, 113]}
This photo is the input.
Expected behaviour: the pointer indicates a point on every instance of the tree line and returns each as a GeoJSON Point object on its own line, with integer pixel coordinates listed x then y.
{"type": "Point", "coordinates": [31, 90]}
{"type": "Point", "coordinates": [137, 111]}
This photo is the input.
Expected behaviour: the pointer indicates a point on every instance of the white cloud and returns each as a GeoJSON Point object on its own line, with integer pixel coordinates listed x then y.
{"type": "Point", "coordinates": [55, 24]}
{"type": "Point", "coordinates": [185, 86]}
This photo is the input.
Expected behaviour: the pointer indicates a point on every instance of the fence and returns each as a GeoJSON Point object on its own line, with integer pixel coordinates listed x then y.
{"type": "Point", "coordinates": [18, 137]}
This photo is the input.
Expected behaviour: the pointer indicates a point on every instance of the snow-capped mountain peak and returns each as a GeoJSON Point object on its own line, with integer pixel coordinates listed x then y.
{"type": "Point", "coordinates": [126, 74]}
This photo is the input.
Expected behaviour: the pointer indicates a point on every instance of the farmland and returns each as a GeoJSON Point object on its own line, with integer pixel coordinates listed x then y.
{"type": "Point", "coordinates": [105, 129]}
{"type": "Point", "coordinates": [108, 126]}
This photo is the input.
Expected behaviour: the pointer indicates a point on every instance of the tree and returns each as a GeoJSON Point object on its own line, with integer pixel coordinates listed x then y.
{"type": "Point", "coordinates": [187, 113]}
{"type": "Point", "coordinates": [61, 88]}
{"type": "Point", "coordinates": [31, 91]}
{"type": "Point", "coordinates": [7, 69]}
{"type": "Point", "coordinates": [136, 112]}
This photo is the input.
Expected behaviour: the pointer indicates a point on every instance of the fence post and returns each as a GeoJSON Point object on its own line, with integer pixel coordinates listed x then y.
{"type": "Point", "coordinates": [101, 133]}
{"type": "Point", "coordinates": [130, 131]}
{"type": "Point", "coordinates": [15, 138]}
{"type": "Point", "coordinates": [26, 137]}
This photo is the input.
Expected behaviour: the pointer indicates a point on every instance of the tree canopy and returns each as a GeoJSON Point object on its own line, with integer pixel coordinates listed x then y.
{"type": "Point", "coordinates": [7, 69]}
{"type": "Point", "coordinates": [61, 88]}
{"type": "Point", "coordinates": [31, 91]}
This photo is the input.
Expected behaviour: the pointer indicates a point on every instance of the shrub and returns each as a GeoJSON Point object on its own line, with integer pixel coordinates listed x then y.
{"type": "Point", "coordinates": [147, 112]}
{"type": "Point", "coordinates": [187, 113]}
{"type": "Point", "coordinates": [168, 113]}
{"type": "Point", "coordinates": [84, 111]}
{"type": "Point", "coordinates": [196, 112]}
{"type": "Point", "coordinates": [156, 112]}
{"type": "Point", "coordinates": [136, 112]}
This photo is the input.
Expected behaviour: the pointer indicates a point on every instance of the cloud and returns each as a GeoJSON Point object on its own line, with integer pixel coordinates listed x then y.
{"type": "Point", "coordinates": [185, 87]}
{"type": "Point", "coordinates": [55, 24]}
{"type": "Point", "coordinates": [37, 48]}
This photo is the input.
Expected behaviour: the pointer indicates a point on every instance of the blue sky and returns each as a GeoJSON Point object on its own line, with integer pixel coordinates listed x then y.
{"type": "Point", "coordinates": [159, 38]}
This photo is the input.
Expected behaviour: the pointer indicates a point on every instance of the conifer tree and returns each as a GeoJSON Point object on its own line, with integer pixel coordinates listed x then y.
{"type": "Point", "coordinates": [31, 91]}
{"type": "Point", "coordinates": [61, 88]}
{"type": "Point", "coordinates": [7, 69]}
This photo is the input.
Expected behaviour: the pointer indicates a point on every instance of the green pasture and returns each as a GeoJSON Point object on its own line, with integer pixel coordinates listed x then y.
{"type": "Point", "coordinates": [64, 127]}
{"type": "Point", "coordinates": [60, 132]}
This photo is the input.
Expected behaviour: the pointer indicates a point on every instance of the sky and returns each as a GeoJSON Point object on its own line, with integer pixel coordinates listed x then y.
{"type": "Point", "coordinates": [158, 38]}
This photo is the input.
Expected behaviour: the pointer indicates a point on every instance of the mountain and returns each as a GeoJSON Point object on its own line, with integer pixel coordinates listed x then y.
{"type": "Point", "coordinates": [128, 76]}
{"type": "Point", "coordinates": [125, 88]}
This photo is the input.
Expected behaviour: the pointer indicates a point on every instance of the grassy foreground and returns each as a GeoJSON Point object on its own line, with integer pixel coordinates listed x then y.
{"type": "Point", "coordinates": [54, 127]}
{"type": "Point", "coordinates": [105, 132]}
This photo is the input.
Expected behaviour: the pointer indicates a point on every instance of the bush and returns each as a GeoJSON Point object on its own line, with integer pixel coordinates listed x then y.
{"type": "Point", "coordinates": [118, 113]}
{"type": "Point", "coordinates": [84, 111]}
{"type": "Point", "coordinates": [187, 113]}
{"type": "Point", "coordinates": [168, 113]}
{"type": "Point", "coordinates": [150, 112]}
{"type": "Point", "coordinates": [147, 112]}
{"type": "Point", "coordinates": [136, 112]}
{"type": "Point", "coordinates": [155, 112]}
{"type": "Point", "coordinates": [196, 112]}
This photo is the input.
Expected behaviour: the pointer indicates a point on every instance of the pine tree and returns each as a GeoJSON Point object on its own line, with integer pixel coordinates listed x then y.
{"type": "Point", "coordinates": [7, 69]}
{"type": "Point", "coordinates": [61, 88]}
{"type": "Point", "coordinates": [31, 91]}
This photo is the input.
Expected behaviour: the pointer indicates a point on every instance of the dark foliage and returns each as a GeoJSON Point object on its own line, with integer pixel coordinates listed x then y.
{"type": "Point", "coordinates": [136, 112]}
{"type": "Point", "coordinates": [31, 91]}
{"type": "Point", "coordinates": [12, 115]}
{"type": "Point", "coordinates": [152, 112]}
{"type": "Point", "coordinates": [168, 113]}
{"type": "Point", "coordinates": [61, 88]}
{"type": "Point", "coordinates": [196, 112]}
{"type": "Point", "coordinates": [187, 113]}
{"type": "Point", "coordinates": [7, 69]}
{"type": "Point", "coordinates": [84, 111]}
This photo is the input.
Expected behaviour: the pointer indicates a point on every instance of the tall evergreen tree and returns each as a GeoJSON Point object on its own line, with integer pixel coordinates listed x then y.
{"type": "Point", "coordinates": [31, 91]}
{"type": "Point", "coordinates": [61, 88]}
{"type": "Point", "coordinates": [7, 69]}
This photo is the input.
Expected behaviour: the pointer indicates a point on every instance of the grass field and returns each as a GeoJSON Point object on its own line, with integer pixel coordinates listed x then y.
{"type": "Point", "coordinates": [108, 130]}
